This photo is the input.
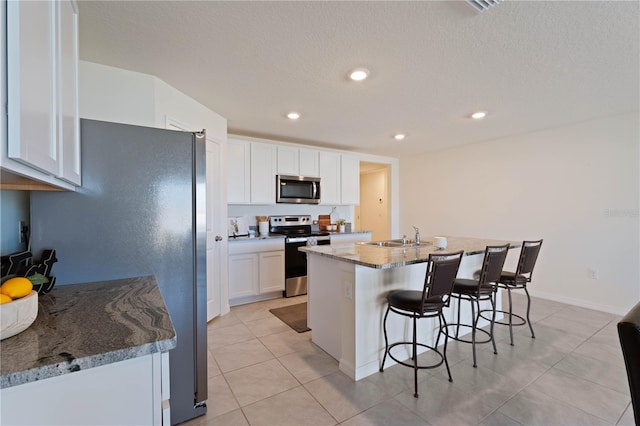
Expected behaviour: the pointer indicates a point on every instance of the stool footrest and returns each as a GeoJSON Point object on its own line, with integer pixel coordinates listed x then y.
{"type": "Point", "coordinates": [506, 314]}
{"type": "Point", "coordinates": [460, 339]}
{"type": "Point", "coordinates": [436, 351]}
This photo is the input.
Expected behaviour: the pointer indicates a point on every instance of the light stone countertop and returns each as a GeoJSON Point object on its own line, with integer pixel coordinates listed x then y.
{"type": "Point", "coordinates": [394, 257]}
{"type": "Point", "coordinates": [82, 326]}
{"type": "Point", "coordinates": [257, 238]}
{"type": "Point", "coordinates": [272, 236]}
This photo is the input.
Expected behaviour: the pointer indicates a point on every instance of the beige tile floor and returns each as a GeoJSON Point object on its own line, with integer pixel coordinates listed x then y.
{"type": "Point", "coordinates": [261, 372]}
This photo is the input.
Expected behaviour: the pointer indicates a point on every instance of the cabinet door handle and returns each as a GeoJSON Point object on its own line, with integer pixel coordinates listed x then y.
{"type": "Point", "coordinates": [218, 238]}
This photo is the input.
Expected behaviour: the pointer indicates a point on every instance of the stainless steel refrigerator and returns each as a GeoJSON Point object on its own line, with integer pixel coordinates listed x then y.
{"type": "Point", "coordinates": [140, 211]}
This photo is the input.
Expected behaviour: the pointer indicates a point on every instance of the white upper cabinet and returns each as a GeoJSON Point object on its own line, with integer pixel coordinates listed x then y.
{"type": "Point", "coordinates": [42, 97]}
{"type": "Point", "coordinates": [298, 161]}
{"type": "Point", "coordinates": [309, 162]}
{"type": "Point", "coordinates": [263, 173]}
{"type": "Point", "coordinates": [251, 172]}
{"type": "Point", "coordinates": [253, 167]}
{"type": "Point", "coordinates": [67, 93]}
{"type": "Point", "coordinates": [31, 84]}
{"type": "Point", "coordinates": [350, 179]}
{"type": "Point", "coordinates": [238, 171]}
{"type": "Point", "coordinates": [288, 161]}
{"type": "Point", "coordinates": [329, 177]}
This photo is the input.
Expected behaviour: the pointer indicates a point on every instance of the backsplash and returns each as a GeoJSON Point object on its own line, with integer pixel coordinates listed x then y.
{"type": "Point", "coordinates": [251, 211]}
{"type": "Point", "coordinates": [14, 207]}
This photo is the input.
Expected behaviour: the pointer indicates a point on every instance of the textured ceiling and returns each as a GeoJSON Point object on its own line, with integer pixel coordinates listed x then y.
{"type": "Point", "coordinates": [532, 64]}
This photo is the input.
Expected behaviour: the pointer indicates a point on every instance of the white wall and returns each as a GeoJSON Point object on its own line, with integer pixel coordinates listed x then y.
{"type": "Point", "coordinates": [175, 105]}
{"type": "Point", "coordinates": [576, 186]}
{"type": "Point", "coordinates": [113, 94]}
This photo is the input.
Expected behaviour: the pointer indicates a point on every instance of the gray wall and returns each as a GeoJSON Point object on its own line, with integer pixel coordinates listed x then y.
{"type": "Point", "coordinates": [14, 207]}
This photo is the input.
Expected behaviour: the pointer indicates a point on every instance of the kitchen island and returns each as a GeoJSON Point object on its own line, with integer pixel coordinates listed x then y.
{"type": "Point", "coordinates": [347, 292]}
{"type": "Point", "coordinates": [96, 353]}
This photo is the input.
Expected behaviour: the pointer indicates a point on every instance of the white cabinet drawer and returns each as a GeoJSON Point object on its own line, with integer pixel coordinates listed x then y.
{"type": "Point", "coordinates": [255, 246]}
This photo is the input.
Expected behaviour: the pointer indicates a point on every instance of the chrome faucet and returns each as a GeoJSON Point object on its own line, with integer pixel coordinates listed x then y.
{"type": "Point", "coordinates": [417, 235]}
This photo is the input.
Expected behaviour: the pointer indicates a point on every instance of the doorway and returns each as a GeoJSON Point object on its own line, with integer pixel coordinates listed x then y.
{"type": "Point", "coordinates": [374, 210]}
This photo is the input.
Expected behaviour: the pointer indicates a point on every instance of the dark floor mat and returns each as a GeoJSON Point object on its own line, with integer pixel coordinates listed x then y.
{"type": "Point", "coordinates": [295, 316]}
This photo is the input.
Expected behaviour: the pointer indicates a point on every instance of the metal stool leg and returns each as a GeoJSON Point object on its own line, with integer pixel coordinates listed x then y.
{"type": "Point", "coordinates": [474, 324]}
{"type": "Point", "coordinates": [533, 336]}
{"type": "Point", "coordinates": [458, 326]}
{"type": "Point", "coordinates": [415, 358]}
{"type": "Point", "coordinates": [510, 316]}
{"type": "Point", "coordinates": [493, 321]}
{"type": "Point", "coordinates": [386, 340]}
{"type": "Point", "coordinates": [441, 319]}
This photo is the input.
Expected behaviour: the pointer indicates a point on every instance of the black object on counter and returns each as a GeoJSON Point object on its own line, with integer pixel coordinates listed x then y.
{"type": "Point", "coordinates": [20, 265]}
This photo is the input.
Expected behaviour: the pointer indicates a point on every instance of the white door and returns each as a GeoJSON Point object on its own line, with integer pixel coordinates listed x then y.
{"type": "Point", "coordinates": [216, 244]}
{"type": "Point", "coordinates": [216, 222]}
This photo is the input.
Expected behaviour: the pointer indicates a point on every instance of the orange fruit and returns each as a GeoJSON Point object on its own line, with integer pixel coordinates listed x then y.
{"type": "Point", "coordinates": [5, 299]}
{"type": "Point", "coordinates": [16, 287]}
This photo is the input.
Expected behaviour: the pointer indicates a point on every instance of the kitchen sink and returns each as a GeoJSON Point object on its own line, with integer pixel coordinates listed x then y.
{"type": "Point", "coordinates": [395, 243]}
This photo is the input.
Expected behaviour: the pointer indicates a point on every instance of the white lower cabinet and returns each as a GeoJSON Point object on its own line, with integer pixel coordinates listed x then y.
{"type": "Point", "coordinates": [256, 270]}
{"type": "Point", "coordinates": [271, 267]}
{"type": "Point", "coordinates": [130, 392]}
{"type": "Point", "coordinates": [243, 275]}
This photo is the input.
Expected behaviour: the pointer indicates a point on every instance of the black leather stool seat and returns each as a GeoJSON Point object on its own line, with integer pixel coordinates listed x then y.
{"type": "Point", "coordinates": [510, 278]}
{"type": "Point", "coordinates": [470, 286]}
{"type": "Point", "coordinates": [411, 300]}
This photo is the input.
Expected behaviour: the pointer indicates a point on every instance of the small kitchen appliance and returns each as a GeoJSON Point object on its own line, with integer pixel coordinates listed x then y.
{"type": "Point", "coordinates": [297, 189]}
{"type": "Point", "coordinates": [298, 233]}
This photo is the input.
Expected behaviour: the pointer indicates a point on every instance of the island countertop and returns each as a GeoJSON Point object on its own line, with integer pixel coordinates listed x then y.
{"type": "Point", "coordinates": [394, 257]}
{"type": "Point", "coordinates": [82, 326]}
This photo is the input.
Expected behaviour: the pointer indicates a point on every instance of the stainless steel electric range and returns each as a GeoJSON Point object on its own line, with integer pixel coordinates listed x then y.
{"type": "Point", "coordinates": [298, 233]}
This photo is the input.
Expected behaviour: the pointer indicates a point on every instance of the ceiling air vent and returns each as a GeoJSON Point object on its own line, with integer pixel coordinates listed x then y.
{"type": "Point", "coordinates": [482, 5]}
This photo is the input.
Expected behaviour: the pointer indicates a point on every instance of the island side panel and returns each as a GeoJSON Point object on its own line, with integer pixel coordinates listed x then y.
{"type": "Point", "coordinates": [323, 303]}
{"type": "Point", "coordinates": [372, 287]}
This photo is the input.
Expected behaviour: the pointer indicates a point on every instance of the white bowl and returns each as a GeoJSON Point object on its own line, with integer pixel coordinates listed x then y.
{"type": "Point", "coordinates": [18, 315]}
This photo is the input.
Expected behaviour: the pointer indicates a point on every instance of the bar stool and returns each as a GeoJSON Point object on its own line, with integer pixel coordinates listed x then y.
{"type": "Point", "coordinates": [518, 280]}
{"type": "Point", "coordinates": [477, 290]}
{"type": "Point", "coordinates": [426, 303]}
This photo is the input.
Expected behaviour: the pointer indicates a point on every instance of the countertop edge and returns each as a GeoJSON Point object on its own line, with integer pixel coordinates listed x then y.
{"type": "Point", "coordinates": [343, 257]}
{"type": "Point", "coordinates": [131, 311]}
{"type": "Point", "coordinates": [85, 363]}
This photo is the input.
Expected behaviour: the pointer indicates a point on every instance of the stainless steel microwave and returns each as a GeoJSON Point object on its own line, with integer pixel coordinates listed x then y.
{"type": "Point", "coordinates": [297, 189]}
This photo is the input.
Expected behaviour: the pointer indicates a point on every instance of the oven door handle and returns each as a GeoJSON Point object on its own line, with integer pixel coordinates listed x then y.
{"type": "Point", "coordinates": [291, 240]}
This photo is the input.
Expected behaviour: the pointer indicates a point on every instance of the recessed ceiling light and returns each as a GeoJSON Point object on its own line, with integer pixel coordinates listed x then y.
{"type": "Point", "coordinates": [359, 74]}
{"type": "Point", "coordinates": [293, 115]}
{"type": "Point", "coordinates": [399, 136]}
{"type": "Point", "coordinates": [479, 115]}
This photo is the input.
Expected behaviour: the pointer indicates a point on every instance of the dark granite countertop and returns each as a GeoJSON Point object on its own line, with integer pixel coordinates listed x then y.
{"type": "Point", "coordinates": [394, 257]}
{"type": "Point", "coordinates": [82, 326]}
